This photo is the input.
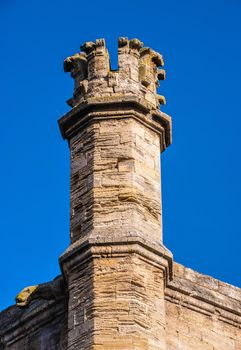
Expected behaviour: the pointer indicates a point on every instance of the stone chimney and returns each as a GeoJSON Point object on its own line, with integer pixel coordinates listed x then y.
{"type": "Point", "coordinates": [116, 267]}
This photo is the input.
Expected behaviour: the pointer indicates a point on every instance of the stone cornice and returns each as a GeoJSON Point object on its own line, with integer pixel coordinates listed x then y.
{"type": "Point", "coordinates": [82, 251]}
{"type": "Point", "coordinates": [120, 107]}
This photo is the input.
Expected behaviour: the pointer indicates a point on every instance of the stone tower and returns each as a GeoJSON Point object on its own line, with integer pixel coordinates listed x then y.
{"type": "Point", "coordinates": [116, 267]}
{"type": "Point", "coordinates": [119, 288]}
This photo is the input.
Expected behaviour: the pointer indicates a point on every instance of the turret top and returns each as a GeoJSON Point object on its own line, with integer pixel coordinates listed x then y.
{"type": "Point", "coordinates": [138, 72]}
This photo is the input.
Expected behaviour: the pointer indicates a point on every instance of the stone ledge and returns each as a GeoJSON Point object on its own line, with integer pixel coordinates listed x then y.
{"type": "Point", "coordinates": [83, 250]}
{"type": "Point", "coordinates": [116, 108]}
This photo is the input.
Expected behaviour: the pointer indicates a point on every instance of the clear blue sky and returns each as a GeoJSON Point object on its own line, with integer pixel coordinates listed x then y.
{"type": "Point", "coordinates": [201, 171]}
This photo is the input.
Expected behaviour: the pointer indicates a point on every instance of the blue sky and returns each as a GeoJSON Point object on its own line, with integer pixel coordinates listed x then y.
{"type": "Point", "coordinates": [201, 171]}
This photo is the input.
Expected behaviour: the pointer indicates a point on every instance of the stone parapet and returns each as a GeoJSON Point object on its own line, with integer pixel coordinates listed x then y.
{"type": "Point", "coordinates": [202, 313]}
{"type": "Point", "coordinates": [41, 323]}
{"type": "Point", "coordinates": [205, 294]}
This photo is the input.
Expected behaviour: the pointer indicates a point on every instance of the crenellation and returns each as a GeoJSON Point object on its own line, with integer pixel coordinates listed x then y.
{"type": "Point", "coordinates": [98, 65]}
{"type": "Point", "coordinates": [137, 74]}
{"type": "Point", "coordinates": [128, 64]}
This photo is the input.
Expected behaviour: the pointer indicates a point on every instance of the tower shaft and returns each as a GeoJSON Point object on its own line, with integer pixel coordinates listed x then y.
{"type": "Point", "coordinates": [116, 266]}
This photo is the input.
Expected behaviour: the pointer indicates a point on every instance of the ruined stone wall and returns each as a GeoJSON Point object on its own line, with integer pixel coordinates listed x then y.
{"type": "Point", "coordinates": [202, 313]}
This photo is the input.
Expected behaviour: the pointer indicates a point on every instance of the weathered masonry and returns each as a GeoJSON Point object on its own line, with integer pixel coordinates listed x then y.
{"type": "Point", "coordinates": [119, 288]}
